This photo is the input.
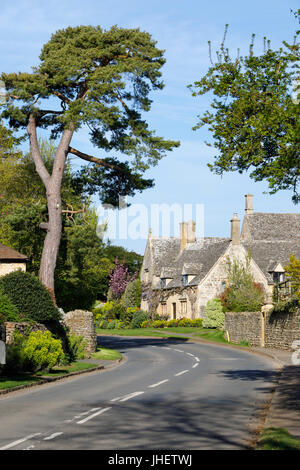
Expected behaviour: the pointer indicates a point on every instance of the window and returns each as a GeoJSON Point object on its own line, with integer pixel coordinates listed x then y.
{"type": "Point", "coordinates": [278, 277]}
{"type": "Point", "coordinates": [184, 279]}
{"type": "Point", "coordinates": [183, 307]}
{"type": "Point", "coordinates": [163, 282]}
{"type": "Point", "coordinates": [163, 308]}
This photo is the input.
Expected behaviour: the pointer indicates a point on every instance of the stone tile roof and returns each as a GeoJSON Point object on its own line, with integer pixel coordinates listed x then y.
{"type": "Point", "coordinates": [8, 254]}
{"type": "Point", "coordinates": [270, 226]}
{"type": "Point", "coordinates": [197, 258]}
{"type": "Point", "coordinates": [268, 253]}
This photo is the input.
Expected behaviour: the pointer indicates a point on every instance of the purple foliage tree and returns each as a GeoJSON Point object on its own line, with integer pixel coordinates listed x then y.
{"type": "Point", "coordinates": [119, 278]}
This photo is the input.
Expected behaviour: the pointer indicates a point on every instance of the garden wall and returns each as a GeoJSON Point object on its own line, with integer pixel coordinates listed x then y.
{"type": "Point", "coordinates": [271, 330]}
{"type": "Point", "coordinates": [81, 323]}
{"type": "Point", "coordinates": [244, 326]}
{"type": "Point", "coordinates": [7, 330]}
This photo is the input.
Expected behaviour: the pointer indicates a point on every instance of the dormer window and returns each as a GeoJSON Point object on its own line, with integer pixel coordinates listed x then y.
{"type": "Point", "coordinates": [278, 277]}
{"type": "Point", "coordinates": [184, 279]}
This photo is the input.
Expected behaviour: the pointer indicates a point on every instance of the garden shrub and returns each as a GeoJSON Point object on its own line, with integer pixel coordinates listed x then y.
{"type": "Point", "coordinates": [138, 318]}
{"type": "Point", "coordinates": [76, 348]}
{"type": "Point", "coordinates": [8, 311]}
{"type": "Point", "coordinates": [214, 315]}
{"type": "Point", "coordinates": [41, 351]}
{"type": "Point", "coordinates": [172, 323]}
{"type": "Point", "coordinates": [15, 362]}
{"type": "Point", "coordinates": [197, 322]}
{"type": "Point", "coordinates": [146, 324]}
{"type": "Point", "coordinates": [103, 324]}
{"type": "Point", "coordinates": [132, 294]}
{"type": "Point", "coordinates": [184, 322]}
{"type": "Point", "coordinates": [159, 324]}
{"type": "Point", "coordinates": [29, 296]}
{"type": "Point", "coordinates": [112, 324]}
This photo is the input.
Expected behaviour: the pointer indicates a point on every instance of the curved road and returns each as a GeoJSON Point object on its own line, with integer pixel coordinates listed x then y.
{"type": "Point", "coordinates": [167, 394]}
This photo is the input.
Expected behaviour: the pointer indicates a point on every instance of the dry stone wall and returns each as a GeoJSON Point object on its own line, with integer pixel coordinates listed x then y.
{"type": "Point", "coordinates": [244, 326]}
{"type": "Point", "coordinates": [81, 323]}
{"type": "Point", "coordinates": [282, 329]}
{"type": "Point", "coordinates": [23, 328]}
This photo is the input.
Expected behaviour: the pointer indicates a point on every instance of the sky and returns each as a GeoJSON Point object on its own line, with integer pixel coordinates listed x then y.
{"type": "Point", "coordinates": [182, 29]}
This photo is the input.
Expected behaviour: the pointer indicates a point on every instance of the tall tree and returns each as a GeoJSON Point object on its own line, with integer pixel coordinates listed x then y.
{"type": "Point", "coordinates": [254, 115]}
{"type": "Point", "coordinates": [102, 79]}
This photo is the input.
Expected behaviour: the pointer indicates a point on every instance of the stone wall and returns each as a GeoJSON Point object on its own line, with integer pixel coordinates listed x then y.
{"type": "Point", "coordinates": [81, 323]}
{"type": "Point", "coordinates": [273, 330]}
{"type": "Point", "coordinates": [282, 329]}
{"type": "Point", "coordinates": [10, 327]}
{"type": "Point", "coordinates": [244, 326]}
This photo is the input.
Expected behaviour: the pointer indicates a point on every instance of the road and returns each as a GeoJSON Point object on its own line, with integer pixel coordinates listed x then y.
{"type": "Point", "coordinates": [167, 394]}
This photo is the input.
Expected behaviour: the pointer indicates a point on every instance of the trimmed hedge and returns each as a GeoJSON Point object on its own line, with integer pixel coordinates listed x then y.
{"type": "Point", "coordinates": [30, 297]}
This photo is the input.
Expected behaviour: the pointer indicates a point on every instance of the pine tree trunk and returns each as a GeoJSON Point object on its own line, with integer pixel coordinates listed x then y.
{"type": "Point", "coordinates": [52, 185]}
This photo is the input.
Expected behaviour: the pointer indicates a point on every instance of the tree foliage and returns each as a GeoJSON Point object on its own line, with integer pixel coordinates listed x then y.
{"type": "Point", "coordinates": [254, 115]}
{"type": "Point", "coordinates": [292, 272]}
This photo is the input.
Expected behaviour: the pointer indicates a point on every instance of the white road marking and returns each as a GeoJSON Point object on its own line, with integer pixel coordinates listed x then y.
{"type": "Point", "coordinates": [195, 365]}
{"type": "Point", "coordinates": [158, 383]}
{"type": "Point", "coordinates": [93, 415]}
{"type": "Point", "coordinates": [53, 436]}
{"type": "Point", "coordinates": [180, 373]}
{"type": "Point", "coordinates": [116, 399]}
{"type": "Point", "coordinates": [197, 359]}
{"type": "Point", "coordinates": [165, 347]}
{"type": "Point", "coordinates": [132, 395]}
{"type": "Point", "coordinates": [19, 441]}
{"type": "Point", "coordinates": [28, 448]}
{"type": "Point", "coordinates": [190, 354]}
{"type": "Point", "coordinates": [179, 350]}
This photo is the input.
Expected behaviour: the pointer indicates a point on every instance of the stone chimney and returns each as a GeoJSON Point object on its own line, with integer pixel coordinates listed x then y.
{"type": "Point", "coordinates": [235, 230]}
{"type": "Point", "coordinates": [188, 233]}
{"type": "Point", "coordinates": [249, 204]}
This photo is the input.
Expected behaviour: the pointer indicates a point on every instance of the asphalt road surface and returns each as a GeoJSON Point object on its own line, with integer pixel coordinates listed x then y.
{"type": "Point", "coordinates": [167, 394]}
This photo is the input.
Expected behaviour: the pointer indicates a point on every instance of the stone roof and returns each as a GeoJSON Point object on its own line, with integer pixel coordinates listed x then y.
{"type": "Point", "coordinates": [268, 253]}
{"type": "Point", "coordinates": [8, 254]}
{"type": "Point", "coordinates": [270, 226]}
{"type": "Point", "coordinates": [197, 259]}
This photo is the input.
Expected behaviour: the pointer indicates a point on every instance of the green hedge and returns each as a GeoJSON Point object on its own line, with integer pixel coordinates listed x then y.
{"type": "Point", "coordinates": [30, 297]}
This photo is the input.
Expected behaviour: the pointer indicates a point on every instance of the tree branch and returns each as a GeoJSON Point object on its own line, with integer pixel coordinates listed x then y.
{"type": "Point", "coordinates": [35, 151]}
{"type": "Point", "coordinates": [90, 158]}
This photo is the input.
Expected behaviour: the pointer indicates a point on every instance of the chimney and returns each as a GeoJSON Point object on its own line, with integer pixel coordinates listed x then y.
{"type": "Point", "coordinates": [188, 233]}
{"type": "Point", "coordinates": [235, 230]}
{"type": "Point", "coordinates": [249, 203]}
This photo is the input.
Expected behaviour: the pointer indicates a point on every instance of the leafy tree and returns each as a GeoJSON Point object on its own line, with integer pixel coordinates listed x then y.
{"type": "Point", "coordinates": [119, 279]}
{"type": "Point", "coordinates": [132, 294]}
{"type": "Point", "coordinates": [254, 115]}
{"type": "Point", "coordinates": [292, 271]}
{"type": "Point", "coordinates": [214, 315]}
{"type": "Point", "coordinates": [242, 293]}
{"type": "Point", "coordinates": [101, 79]}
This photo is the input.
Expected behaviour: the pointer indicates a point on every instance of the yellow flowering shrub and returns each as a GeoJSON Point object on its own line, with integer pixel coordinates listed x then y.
{"type": "Point", "coordinates": [42, 351]}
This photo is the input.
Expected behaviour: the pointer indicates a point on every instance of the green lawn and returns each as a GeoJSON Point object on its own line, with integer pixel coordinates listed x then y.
{"type": "Point", "coordinates": [67, 369]}
{"type": "Point", "coordinates": [106, 354]}
{"type": "Point", "coordinates": [277, 439]}
{"type": "Point", "coordinates": [17, 380]}
{"type": "Point", "coordinates": [204, 333]}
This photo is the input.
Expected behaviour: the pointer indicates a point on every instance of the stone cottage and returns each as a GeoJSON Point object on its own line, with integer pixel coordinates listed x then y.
{"type": "Point", "coordinates": [11, 260]}
{"type": "Point", "coordinates": [180, 275]}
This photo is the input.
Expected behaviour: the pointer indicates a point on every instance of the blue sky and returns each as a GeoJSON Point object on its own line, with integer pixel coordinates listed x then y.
{"type": "Point", "coordinates": [182, 29]}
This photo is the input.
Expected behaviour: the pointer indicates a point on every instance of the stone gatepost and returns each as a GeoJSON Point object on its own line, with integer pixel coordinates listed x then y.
{"type": "Point", "coordinates": [81, 323]}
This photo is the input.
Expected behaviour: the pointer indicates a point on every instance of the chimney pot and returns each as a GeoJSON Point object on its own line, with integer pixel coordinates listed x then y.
{"type": "Point", "coordinates": [235, 230]}
{"type": "Point", "coordinates": [249, 203]}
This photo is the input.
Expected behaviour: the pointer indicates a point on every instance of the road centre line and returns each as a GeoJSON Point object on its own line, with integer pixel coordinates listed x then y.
{"type": "Point", "coordinates": [180, 373]}
{"type": "Point", "coordinates": [19, 441]}
{"type": "Point", "coordinates": [179, 350]}
{"type": "Point", "coordinates": [53, 436]}
{"type": "Point", "coordinates": [190, 354]}
{"type": "Point", "coordinates": [158, 383]}
{"type": "Point", "coordinates": [195, 365]}
{"type": "Point", "coordinates": [93, 415]}
{"type": "Point", "coordinates": [132, 395]}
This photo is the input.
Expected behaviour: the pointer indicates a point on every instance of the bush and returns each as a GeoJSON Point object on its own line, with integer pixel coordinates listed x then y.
{"type": "Point", "coordinates": [132, 295]}
{"type": "Point", "coordinates": [15, 362]}
{"type": "Point", "coordinates": [103, 324]}
{"type": "Point", "coordinates": [159, 324]}
{"type": "Point", "coordinates": [214, 315]}
{"type": "Point", "coordinates": [197, 323]}
{"type": "Point", "coordinates": [75, 347]}
{"type": "Point", "coordinates": [146, 324]}
{"type": "Point", "coordinates": [138, 318]}
{"type": "Point", "coordinates": [30, 297]}
{"type": "Point", "coordinates": [41, 351]}
{"type": "Point", "coordinates": [184, 322]}
{"type": "Point", "coordinates": [112, 324]}
{"type": "Point", "coordinates": [172, 323]}
{"type": "Point", "coordinates": [8, 311]}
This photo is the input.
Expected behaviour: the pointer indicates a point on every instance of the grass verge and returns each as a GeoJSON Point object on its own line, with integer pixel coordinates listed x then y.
{"type": "Point", "coordinates": [9, 382]}
{"type": "Point", "coordinates": [277, 439]}
{"type": "Point", "coordinates": [106, 354]}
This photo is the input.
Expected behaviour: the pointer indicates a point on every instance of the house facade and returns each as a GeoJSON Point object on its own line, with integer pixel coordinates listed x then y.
{"type": "Point", "coordinates": [11, 260]}
{"type": "Point", "coordinates": [180, 275]}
